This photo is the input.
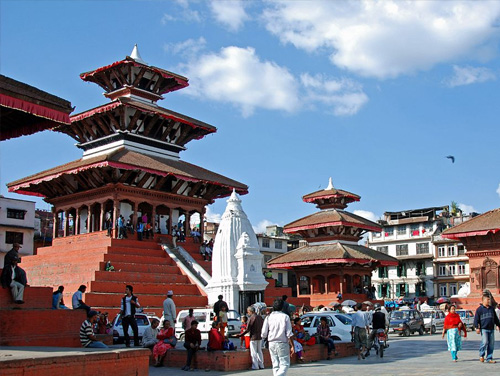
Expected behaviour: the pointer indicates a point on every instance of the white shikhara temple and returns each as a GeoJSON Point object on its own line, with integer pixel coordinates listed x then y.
{"type": "Point", "coordinates": [237, 261]}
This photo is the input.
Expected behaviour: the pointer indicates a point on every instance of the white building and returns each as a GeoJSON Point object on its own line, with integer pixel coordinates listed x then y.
{"type": "Point", "coordinates": [273, 243]}
{"type": "Point", "coordinates": [407, 235]}
{"type": "Point", "coordinates": [17, 225]}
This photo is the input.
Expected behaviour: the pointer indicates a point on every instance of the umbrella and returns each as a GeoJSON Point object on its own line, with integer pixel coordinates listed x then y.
{"type": "Point", "coordinates": [443, 300]}
{"type": "Point", "coordinates": [349, 303]}
{"type": "Point", "coordinates": [334, 303]}
{"type": "Point", "coordinates": [367, 302]}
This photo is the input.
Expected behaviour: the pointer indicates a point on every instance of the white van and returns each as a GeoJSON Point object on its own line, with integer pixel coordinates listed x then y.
{"type": "Point", "coordinates": [205, 318]}
{"type": "Point", "coordinates": [433, 320]}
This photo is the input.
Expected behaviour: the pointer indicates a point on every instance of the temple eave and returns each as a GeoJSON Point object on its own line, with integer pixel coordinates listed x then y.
{"type": "Point", "coordinates": [292, 264]}
{"type": "Point", "coordinates": [290, 230]}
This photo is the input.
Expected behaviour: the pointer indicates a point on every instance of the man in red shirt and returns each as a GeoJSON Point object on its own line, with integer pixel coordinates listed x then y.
{"type": "Point", "coordinates": [215, 338]}
{"type": "Point", "coordinates": [192, 343]}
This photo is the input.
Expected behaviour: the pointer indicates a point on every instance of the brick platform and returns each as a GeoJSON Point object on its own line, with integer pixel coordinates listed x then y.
{"type": "Point", "coordinates": [84, 362]}
{"type": "Point", "coordinates": [240, 360]}
{"type": "Point", "coordinates": [35, 323]}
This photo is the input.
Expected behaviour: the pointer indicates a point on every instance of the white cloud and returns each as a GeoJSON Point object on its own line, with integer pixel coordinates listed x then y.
{"type": "Point", "coordinates": [261, 226]}
{"type": "Point", "coordinates": [194, 220]}
{"type": "Point", "coordinates": [230, 13]}
{"type": "Point", "coordinates": [188, 48]}
{"type": "Point", "coordinates": [185, 13]}
{"type": "Point", "coordinates": [468, 75]}
{"type": "Point", "coordinates": [367, 214]}
{"type": "Point", "coordinates": [238, 76]}
{"type": "Point", "coordinates": [467, 209]}
{"type": "Point", "coordinates": [498, 190]}
{"type": "Point", "coordinates": [344, 96]}
{"type": "Point", "coordinates": [387, 38]}
{"type": "Point", "coordinates": [211, 216]}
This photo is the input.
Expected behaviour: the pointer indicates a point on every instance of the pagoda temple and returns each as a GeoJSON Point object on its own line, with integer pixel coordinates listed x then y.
{"type": "Point", "coordinates": [332, 262]}
{"type": "Point", "coordinates": [481, 237]}
{"type": "Point", "coordinates": [130, 167]}
{"type": "Point", "coordinates": [131, 162]}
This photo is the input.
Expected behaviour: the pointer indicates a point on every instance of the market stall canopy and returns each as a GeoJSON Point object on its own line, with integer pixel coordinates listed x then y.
{"type": "Point", "coordinates": [25, 110]}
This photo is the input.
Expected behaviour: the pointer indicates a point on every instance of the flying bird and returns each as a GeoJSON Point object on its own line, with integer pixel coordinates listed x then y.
{"type": "Point", "coordinates": [451, 157]}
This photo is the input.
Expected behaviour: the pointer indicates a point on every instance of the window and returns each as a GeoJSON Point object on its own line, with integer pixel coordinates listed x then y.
{"type": "Point", "coordinates": [401, 230]}
{"type": "Point", "coordinates": [384, 290]}
{"type": "Point", "coordinates": [420, 268]}
{"type": "Point", "coordinates": [442, 251]}
{"type": "Point", "coordinates": [401, 270]}
{"type": "Point", "coordinates": [402, 250]}
{"type": "Point", "coordinates": [420, 289]}
{"type": "Point", "coordinates": [452, 269]}
{"type": "Point", "coordinates": [382, 272]}
{"type": "Point", "coordinates": [377, 234]}
{"type": "Point", "coordinates": [442, 269]}
{"type": "Point", "coordinates": [278, 244]}
{"type": "Point", "coordinates": [389, 231]}
{"type": "Point", "coordinates": [452, 250]}
{"type": "Point", "coordinates": [280, 278]}
{"type": "Point", "coordinates": [384, 249]}
{"type": "Point", "coordinates": [15, 213]}
{"type": "Point", "coordinates": [401, 289]}
{"type": "Point", "coordinates": [442, 289]}
{"type": "Point", "coordinates": [13, 237]}
{"type": "Point", "coordinates": [453, 289]}
{"type": "Point", "coordinates": [414, 230]}
{"type": "Point", "coordinates": [461, 268]}
{"type": "Point", "coordinates": [422, 248]}
{"type": "Point", "coordinates": [265, 243]}
{"type": "Point", "coordinates": [461, 249]}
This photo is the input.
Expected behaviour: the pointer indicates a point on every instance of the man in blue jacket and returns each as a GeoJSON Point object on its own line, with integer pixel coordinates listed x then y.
{"type": "Point", "coordinates": [485, 321]}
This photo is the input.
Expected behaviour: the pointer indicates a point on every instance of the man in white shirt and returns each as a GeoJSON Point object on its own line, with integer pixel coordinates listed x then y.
{"type": "Point", "coordinates": [77, 299]}
{"type": "Point", "coordinates": [149, 339]}
{"type": "Point", "coordinates": [277, 329]}
{"type": "Point", "coordinates": [169, 312]}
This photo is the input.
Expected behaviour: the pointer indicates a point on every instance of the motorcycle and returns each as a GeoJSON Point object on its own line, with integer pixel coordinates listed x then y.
{"type": "Point", "coordinates": [380, 342]}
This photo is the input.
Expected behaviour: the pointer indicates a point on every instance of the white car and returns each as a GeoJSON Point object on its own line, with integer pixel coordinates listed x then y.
{"type": "Point", "coordinates": [340, 324]}
{"type": "Point", "coordinates": [205, 318]}
{"type": "Point", "coordinates": [143, 321]}
{"type": "Point", "coordinates": [433, 320]}
{"type": "Point", "coordinates": [467, 318]}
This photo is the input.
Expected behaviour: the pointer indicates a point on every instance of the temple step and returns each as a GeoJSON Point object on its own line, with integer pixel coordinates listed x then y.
{"type": "Point", "coordinates": [144, 288]}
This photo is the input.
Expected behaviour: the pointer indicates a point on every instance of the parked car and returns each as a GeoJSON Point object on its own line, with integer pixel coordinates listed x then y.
{"type": "Point", "coordinates": [143, 321]}
{"type": "Point", "coordinates": [340, 324]}
{"type": "Point", "coordinates": [467, 318]}
{"type": "Point", "coordinates": [205, 317]}
{"type": "Point", "coordinates": [433, 320]}
{"type": "Point", "coordinates": [406, 322]}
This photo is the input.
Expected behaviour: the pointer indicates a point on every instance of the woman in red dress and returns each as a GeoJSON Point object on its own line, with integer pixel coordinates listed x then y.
{"type": "Point", "coordinates": [160, 349]}
{"type": "Point", "coordinates": [301, 335]}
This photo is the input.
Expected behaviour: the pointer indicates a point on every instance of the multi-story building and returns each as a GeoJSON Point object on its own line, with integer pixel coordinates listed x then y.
{"type": "Point", "coordinates": [451, 266]}
{"type": "Point", "coordinates": [273, 243]}
{"type": "Point", "coordinates": [17, 225]}
{"type": "Point", "coordinates": [407, 235]}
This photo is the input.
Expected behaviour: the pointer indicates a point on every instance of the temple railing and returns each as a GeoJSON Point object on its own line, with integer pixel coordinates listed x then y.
{"type": "Point", "coordinates": [188, 264]}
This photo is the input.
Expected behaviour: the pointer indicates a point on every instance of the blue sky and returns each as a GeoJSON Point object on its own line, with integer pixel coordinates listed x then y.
{"type": "Point", "coordinates": [373, 94]}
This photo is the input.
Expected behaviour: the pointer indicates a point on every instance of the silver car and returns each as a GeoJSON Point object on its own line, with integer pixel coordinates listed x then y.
{"type": "Point", "coordinates": [433, 320]}
{"type": "Point", "coordinates": [340, 324]}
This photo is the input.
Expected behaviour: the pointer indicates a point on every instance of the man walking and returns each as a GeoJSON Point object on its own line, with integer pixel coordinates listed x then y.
{"type": "Point", "coordinates": [485, 321]}
{"type": "Point", "coordinates": [359, 331]}
{"type": "Point", "coordinates": [277, 328]}
{"type": "Point", "coordinates": [254, 327]}
{"type": "Point", "coordinates": [128, 307]}
{"type": "Point", "coordinates": [169, 311]}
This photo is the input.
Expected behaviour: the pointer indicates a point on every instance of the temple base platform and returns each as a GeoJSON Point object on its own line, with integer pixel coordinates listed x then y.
{"type": "Point", "coordinates": [240, 359]}
{"type": "Point", "coordinates": [42, 361]}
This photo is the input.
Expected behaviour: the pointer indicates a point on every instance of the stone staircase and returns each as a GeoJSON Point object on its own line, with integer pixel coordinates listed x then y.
{"type": "Point", "coordinates": [80, 260]}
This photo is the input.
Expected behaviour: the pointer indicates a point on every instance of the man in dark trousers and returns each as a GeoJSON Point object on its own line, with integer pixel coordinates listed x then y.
{"type": "Point", "coordinates": [128, 307]}
{"type": "Point", "coordinates": [218, 305]}
{"type": "Point", "coordinates": [14, 277]}
{"type": "Point", "coordinates": [485, 321]}
{"type": "Point", "coordinates": [378, 322]}
{"type": "Point", "coordinates": [254, 327]}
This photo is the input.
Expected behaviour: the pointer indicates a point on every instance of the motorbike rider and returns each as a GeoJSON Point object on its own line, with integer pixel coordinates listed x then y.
{"type": "Point", "coordinates": [378, 322]}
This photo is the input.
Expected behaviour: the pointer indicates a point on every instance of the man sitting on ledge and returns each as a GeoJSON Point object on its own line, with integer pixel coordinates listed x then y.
{"type": "Point", "coordinates": [192, 343]}
{"type": "Point", "coordinates": [87, 337]}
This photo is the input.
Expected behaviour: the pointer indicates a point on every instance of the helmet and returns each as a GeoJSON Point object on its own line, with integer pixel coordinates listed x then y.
{"type": "Point", "coordinates": [377, 307]}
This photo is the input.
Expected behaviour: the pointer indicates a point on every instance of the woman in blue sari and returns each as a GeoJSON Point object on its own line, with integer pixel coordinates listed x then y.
{"type": "Point", "coordinates": [452, 327]}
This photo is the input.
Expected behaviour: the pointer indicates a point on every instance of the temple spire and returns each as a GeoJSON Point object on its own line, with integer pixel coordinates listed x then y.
{"type": "Point", "coordinates": [330, 185]}
{"type": "Point", "coordinates": [137, 56]}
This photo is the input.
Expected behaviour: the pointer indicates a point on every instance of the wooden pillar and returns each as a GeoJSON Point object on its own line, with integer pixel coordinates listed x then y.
{"type": "Point", "coordinates": [55, 225]}
{"type": "Point", "coordinates": [77, 222]}
{"type": "Point", "coordinates": [341, 284]}
{"type": "Point", "coordinates": [169, 221]}
{"type": "Point", "coordinates": [116, 214]}
{"type": "Point", "coordinates": [187, 224]}
{"type": "Point", "coordinates": [153, 219]}
{"type": "Point", "coordinates": [89, 218]}
{"type": "Point", "coordinates": [102, 216]}
{"type": "Point", "coordinates": [65, 223]}
{"type": "Point", "coordinates": [134, 215]}
{"type": "Point", "coordinates": [202, 224]}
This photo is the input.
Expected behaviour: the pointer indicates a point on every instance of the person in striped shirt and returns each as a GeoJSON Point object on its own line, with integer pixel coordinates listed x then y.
{"type": "Point", "coordinates": [87, 337]}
